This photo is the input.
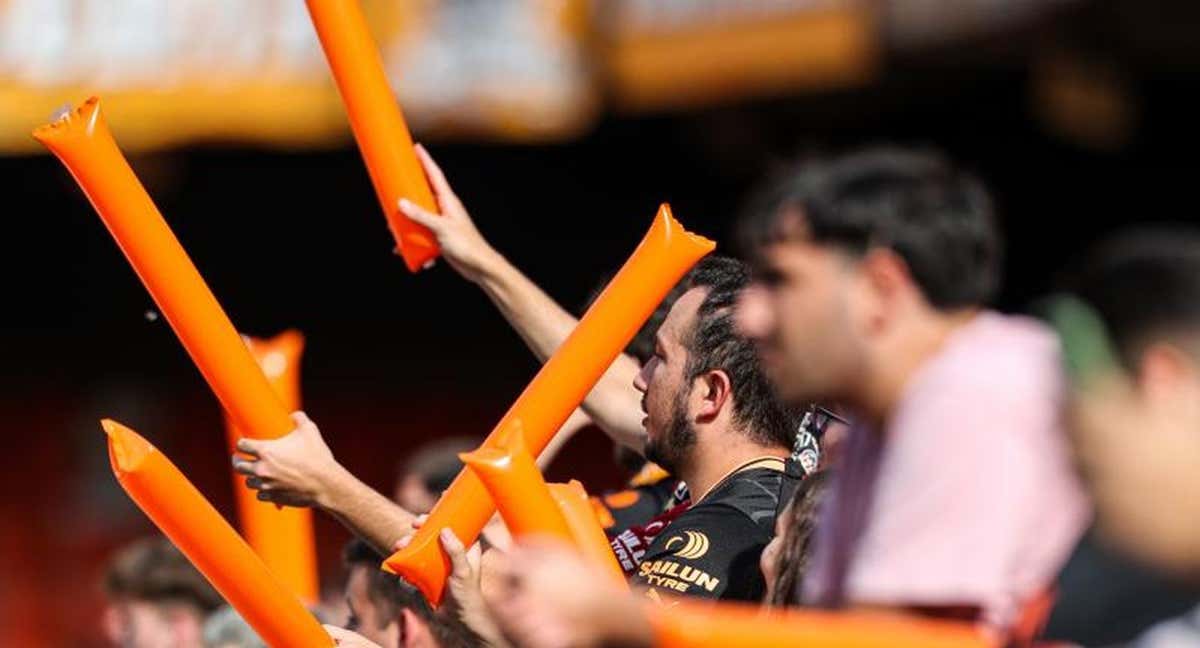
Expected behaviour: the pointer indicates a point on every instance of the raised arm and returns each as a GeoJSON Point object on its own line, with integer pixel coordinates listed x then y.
{"type": "Point", "coordinates": [614, 405]}
{"type": "Point", "coordinates": [300, 470]}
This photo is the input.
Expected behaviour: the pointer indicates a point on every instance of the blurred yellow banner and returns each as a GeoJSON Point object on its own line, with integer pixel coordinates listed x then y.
{"type": "Point", "coordinates": [237, 70]}
{"type": "Point", "coordinates": [678, 53]}
{"type": "Point", "coordinates": [187, 71]}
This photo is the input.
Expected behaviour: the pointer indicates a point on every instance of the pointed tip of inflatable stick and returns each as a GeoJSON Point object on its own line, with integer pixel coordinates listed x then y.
{"type": "Point", "coordinates": [274, 355]}
{"type": "Point", "coordinates": [666, 220]}
{"type": "Point", "coordinates": [126, 448]}
{"type": "Point", "coordinates": [486, 458]}
{"type": "Point", "coordinates": [65, 121]}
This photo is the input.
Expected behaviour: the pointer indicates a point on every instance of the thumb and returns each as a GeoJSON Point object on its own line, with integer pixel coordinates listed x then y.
{"type": "Point", "coordinates": [420, 215]}
{"type": "Point", "coordinates": [459, 566]}
{"type": "Point", "coordinates": [300, 419]}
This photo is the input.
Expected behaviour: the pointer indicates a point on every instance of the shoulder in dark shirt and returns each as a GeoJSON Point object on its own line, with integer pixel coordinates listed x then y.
{"type": "Point", "coordinates": [713, 549]}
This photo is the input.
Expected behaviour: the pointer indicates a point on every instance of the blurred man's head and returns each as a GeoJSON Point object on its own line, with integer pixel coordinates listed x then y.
{"type": "Point", "coordinates": [785, 558]}
{"type": "Point", "coordinates": [703, 380]}
{"type": "Point", "coordinates": [851, 253]}
{"type": "Point", "coordinates": [225, 628]}
{"type": "Point", "coordinates": [1137, 425]}
{"type": "Point", "coordinates": [156, 598]}
{"type": "Point", "coordinates": [429, 471]}
{"type": "Point", "coordinates": [390, 612]}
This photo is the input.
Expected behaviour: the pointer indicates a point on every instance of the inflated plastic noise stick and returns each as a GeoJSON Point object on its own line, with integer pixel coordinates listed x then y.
{"type": "Point", "coordinates": [516, 485]}
{"type": "Point", "coordinates": [282, 537]}
{"type": "Point", "coordinates": [82, 141]}
{"type": "Point", "coordinates": [193, 525]}
{"type": "Point", "coordinates": [692, 625]}
{"type": "Point", "coordinates": [659, 262]}
{"type": "Point", "coordinates": [378, 125]}
{"type": "Point", "coordinates": [590, 538]}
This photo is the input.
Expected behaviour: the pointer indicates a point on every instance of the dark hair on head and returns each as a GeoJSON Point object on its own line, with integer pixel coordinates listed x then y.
{"type": "Point", "coordinates": [153, 570]}
{"type": "Point", "coordinates": [1145, 284]}
{"type": "Point", "coordinates": [642, 345]}
{"type": "Point", "coordinates": [436, 463]}
{"type": "Point", "coordinates": [797, 546]}
{"type": "Point", "coordinates": [391, 594]}
{"type": "Point", "coordinates": [935, 217]}
{"type": "Point", "coordinates": [714, 343]}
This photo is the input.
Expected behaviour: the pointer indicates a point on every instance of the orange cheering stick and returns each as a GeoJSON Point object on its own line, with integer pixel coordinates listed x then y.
{"type": "Point", "coordinates": [512, 478]}
{"type": "Point", "coordinates": [660, 260]}
{"type": "Point", "coordinates": [585, 527]}
{"type": "Point", "coordinates": [82, 141]}
{"type": "Point", "coordinates": [692, 625]}
{"type": "Point", "coordinates": [378, 126]}
{"type": "Point", "coordinates": [282, 537]}
{"type": "Point", "coordinates": [193, 525]}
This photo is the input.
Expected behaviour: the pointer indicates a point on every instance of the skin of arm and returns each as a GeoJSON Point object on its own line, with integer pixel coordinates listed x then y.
{"type": "Point", "coordinates": [299, 470]}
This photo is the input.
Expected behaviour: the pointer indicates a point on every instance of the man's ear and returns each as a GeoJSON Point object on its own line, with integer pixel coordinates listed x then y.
{"type": "Point", "coordinates": [1167, 376]}
{"type": "Point", "coordinates": [715, 392]}
{"type": "Point", "coordinates": [415, 631]}
{"type": "Point", "coordinates": [887, 280]}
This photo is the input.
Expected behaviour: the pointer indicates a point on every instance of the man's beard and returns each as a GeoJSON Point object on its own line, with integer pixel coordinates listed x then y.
{"type": "Point", "coordinates": [671, 448]}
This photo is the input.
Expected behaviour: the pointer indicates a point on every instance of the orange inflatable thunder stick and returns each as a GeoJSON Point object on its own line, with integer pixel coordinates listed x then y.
{"type": "Point", "coordinates": [378, 126]}
{"type": "Point", "coordinates": [193, 525]}
{"type": "Point", "coordinates": [83, 143]}
{"type": "Point", "coordinates": [282, 537]}
{"type": "Point", "coordinates": [692, 625]}
{"type": "Point", "coordinates": [589, 535]}
{"type": "Point", "coordinates": [511, 477]}
{"type": "Point", "coordinates": [660, 260]}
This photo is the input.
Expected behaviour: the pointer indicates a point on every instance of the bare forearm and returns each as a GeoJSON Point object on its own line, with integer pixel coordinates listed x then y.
{"type": "Point", "coordinates": [544, 325]}
{"type": "Point", "coordinates": [367, 513]}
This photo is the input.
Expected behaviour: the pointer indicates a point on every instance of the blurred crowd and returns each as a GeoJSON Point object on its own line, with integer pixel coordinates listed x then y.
{"type": "Point", "coordinates": [834, 420]}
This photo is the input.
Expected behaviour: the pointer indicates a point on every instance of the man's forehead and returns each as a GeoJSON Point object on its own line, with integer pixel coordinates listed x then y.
{"type": "Point", "coordinates": [682, 313]}
{"type": "Point", "coordinates": [791, 253]}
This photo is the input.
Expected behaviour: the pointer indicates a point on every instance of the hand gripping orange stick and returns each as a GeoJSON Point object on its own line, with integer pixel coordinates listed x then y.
{"type": "Point", "coordinates": [692, 625]}
{"type": "Point", "coordinates": [589, 537]}
{"type": "Point", "coordinates": [511, 477]}
{"type": "Point", "coordinates": [660, 260]}
{"type": "Point", "coordinates": [182, 513]}
{"type": "Point", "coordinates": [82, 141]}
{"type": "Point", "coordinates": [377, 123]}
{"type": "Point", "coordinates": [282, 537]}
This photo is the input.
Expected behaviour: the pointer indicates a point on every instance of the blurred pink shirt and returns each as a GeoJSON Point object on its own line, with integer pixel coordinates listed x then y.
{"type": "Point", "coordinates": [969, 496]}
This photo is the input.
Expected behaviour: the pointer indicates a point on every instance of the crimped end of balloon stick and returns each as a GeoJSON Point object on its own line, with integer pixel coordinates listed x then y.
{"type": "Point", "coordinates": [127, 450]}
{"type": "Point", "coordinates": [65, 121]}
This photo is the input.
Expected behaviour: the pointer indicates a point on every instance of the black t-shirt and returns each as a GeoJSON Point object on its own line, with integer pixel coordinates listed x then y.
{"type": "Point", "coordinates": [638, 504]}
{"type": "Point", "coordinates": [1099, 584]}
{"type": "Point", "coordinates": [712, 550]}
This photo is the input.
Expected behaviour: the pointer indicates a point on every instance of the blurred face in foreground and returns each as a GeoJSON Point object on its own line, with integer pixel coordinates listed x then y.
{"type": "Point", "coordinates": [804, 313]}
{"type": "Point", "coordinates": [1137, 441]}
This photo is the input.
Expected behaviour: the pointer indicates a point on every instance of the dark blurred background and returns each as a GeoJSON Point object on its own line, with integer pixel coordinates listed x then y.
{"type": "Point", "coordinates": [1081, 116]}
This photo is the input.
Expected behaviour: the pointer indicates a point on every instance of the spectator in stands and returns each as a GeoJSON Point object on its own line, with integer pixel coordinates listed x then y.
{"type": "Point", "coordinates": [786, 558]}
{"type": "Point", "coordinates": [1133, 342]}
{"type": "Point", "coordinates": [424, 475]}
{"type": "Point", "coordinates": [156, 598]}
{"type": "Point", "coordinates": [225, 628]}
{"type": "Point", "coordinates": [389, 612]}
{"type": "Point", "coordinates": [955, 495]}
